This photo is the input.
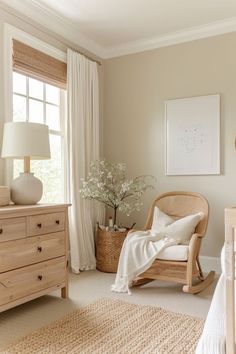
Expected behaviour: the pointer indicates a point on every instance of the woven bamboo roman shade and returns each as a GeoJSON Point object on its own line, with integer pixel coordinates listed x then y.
{"type": "Point", "coordinates": [38, 65]}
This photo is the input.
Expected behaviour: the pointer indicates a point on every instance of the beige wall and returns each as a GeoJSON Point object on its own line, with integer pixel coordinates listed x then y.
{"type": "Point", "coordinates": [135, 89]}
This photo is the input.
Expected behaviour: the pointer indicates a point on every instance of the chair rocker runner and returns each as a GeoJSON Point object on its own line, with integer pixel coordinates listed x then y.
{"type": "Point", "coordinates": [184, 267]}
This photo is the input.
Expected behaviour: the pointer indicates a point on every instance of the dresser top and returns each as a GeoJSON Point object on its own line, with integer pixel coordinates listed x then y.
{"type": "Point", "coordinates": [28, 209]}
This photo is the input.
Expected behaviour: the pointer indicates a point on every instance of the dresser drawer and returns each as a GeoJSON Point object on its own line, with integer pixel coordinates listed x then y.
{"type": "Point", "coordinates": [21, 282]}
{"type": "Point", "coordinates": [46, 223]}
{"type": "Point", "coordinates": [12, 229]}
{"type": "Point", "coordinates": [19, 253]}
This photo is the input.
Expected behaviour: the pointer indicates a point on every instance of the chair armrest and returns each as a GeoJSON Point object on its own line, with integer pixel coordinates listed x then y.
{"type": "Point", "coordinates": [195, 239]}
{"type": "Point", "coordinates": [194, 245]}
{"type": "Point", "coordinates": [196, 235]}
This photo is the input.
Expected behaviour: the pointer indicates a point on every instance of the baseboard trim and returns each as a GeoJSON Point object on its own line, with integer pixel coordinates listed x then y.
{"type": "Point", "coordinates": [210, 263]}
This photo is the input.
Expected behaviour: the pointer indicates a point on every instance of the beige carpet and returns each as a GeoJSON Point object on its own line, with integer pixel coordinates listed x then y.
{"type": "Point", "coordinates": [114, 326]}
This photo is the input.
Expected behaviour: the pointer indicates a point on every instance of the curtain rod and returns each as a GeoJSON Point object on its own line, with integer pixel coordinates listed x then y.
{"type": "Point", "coordinates": [85, 55]}
{"type": "Point", "coordinates": [51, 35]}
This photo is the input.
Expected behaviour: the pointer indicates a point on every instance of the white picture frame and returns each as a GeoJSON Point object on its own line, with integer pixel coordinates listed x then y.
{"type": "Point", "coordinates": [193, 135]}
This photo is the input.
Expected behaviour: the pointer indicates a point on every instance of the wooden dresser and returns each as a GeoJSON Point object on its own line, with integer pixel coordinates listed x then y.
{"type": "Point", "coordinates": [33, 252]}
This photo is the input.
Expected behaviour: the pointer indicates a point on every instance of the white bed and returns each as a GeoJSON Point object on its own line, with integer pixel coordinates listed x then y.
{"type": "Point", "coordinates": [218, 336]}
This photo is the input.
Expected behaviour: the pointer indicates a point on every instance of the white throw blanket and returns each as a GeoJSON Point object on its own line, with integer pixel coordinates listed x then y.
{"type": "Point", "coordinates": [139, 251]}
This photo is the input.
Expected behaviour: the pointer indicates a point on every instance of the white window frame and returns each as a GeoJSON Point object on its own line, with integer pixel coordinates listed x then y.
{"type": "Point", "coordinates": [10, 33]}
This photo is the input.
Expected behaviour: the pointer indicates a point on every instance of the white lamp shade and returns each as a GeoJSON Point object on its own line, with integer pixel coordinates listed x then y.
{"type": "Point", "coordinates": [22, 139]}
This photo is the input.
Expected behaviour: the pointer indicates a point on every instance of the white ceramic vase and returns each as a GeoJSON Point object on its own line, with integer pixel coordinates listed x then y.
{"type": "Point", "coordinates": [26, 189]}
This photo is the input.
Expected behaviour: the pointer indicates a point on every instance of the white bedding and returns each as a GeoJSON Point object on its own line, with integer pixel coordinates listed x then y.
{"type": "Point", "coordinates": [212, 340]}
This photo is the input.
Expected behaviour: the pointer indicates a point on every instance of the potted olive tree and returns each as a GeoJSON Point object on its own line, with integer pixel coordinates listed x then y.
{"type": "Point", "coordinates": [107, 183]}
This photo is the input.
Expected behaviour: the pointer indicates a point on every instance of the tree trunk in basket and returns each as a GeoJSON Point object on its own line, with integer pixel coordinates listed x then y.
{"type": "Point", "coordinates": [115, 212]}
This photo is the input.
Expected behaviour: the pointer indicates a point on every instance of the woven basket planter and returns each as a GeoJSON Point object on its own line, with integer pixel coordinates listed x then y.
{"type": "Point", "coordinates": [108, 247]}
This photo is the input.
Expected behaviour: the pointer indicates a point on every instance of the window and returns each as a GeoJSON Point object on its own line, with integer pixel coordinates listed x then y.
{"type": "Point", "coordinates": [36, 101]}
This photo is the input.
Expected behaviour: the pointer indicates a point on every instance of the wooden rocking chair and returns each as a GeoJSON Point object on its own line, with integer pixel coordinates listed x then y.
{"type": "Point", "coordinates": [180, 263]}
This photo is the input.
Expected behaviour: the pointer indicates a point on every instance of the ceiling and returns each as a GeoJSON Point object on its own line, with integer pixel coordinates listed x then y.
{"type": "Point", "coordinates": [116, 27]}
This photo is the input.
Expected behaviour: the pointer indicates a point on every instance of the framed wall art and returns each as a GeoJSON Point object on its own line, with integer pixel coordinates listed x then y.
{"type": "Point", "coordinates": [193, 135]}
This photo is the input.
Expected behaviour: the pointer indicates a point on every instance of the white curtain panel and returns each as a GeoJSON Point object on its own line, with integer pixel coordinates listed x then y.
{"type": "Point", "coordinates": [83, 146]}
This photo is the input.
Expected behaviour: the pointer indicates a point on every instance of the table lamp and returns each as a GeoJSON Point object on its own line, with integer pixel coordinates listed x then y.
{"type": "Point", "coordinates": [28, 141]}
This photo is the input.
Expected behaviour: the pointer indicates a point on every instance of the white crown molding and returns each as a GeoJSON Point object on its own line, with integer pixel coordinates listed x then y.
{"type": "Point", "coordinates": [41, 14]}
{"type": "Point", "coordinates": [55, 23]}
{"type": "Point", "coordinates": [187, 35]}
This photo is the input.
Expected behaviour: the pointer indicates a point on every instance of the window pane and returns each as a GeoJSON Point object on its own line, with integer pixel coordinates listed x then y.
{"type": "Point", "coordinates": [35, 111]}
{"type": "Point", "coordinates": [52, 94]}
{"type": "Point", "coordinates": [19, 108]}
{"type": "Point", "coordinates": [33, 106]}
{"type": "Point", "coordinates": [50, 172]}
{"type": "Point", "coordinates": [52, 117]}
{"type": "Point", "coordinates": [35, 89]}
{"type": "Point", "coordinates": [19, 83]}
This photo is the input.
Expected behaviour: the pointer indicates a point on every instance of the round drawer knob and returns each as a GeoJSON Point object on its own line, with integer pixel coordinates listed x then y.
{"type": "Point", "coordinates": [57, 222]}
{"type": "Point", "coordinates": [39, 225]}
{"type": "Point", "coordinates": [39, 249]}
{"type": "Point", "coordinates": [1, 231]}
{"type": "Point", "coordinates": [40, 277]}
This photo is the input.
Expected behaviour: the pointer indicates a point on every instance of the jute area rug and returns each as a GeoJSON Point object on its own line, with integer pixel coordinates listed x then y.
{"type": "Point", "coordinates": [113, 326]}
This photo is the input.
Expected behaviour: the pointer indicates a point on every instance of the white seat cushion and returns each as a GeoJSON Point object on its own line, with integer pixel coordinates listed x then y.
{"type": "Point", "coordinates": [174, 253]}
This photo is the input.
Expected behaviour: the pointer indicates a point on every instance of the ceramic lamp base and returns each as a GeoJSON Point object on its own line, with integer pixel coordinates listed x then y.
{"type": "Point", "coordinates": [26, 189]}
